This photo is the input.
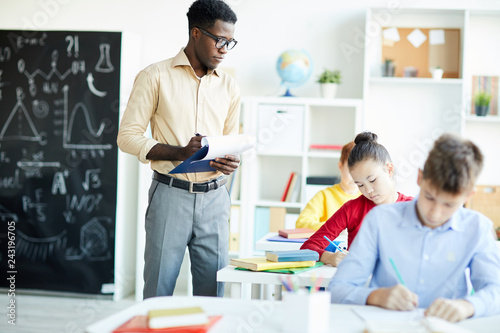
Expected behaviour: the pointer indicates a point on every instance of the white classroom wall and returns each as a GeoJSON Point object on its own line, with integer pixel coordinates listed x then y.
{"type": "Point", "coordinates": [331, 31]}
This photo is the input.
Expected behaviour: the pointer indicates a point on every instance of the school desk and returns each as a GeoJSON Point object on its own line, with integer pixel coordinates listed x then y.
{"type": "Point", "coordinates": [262, 316]}
{"type": "Point", "coordinates": [241, 281]}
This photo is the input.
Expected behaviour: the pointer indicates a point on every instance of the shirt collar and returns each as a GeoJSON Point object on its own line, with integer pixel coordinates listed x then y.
{"type": "Point", "coordinates": [410, 219]}
{"type": "Point", "coordinates": [181, 59]}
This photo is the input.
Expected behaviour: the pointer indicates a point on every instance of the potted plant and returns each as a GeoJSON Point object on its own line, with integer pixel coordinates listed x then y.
{"type": "Point", "coordinates": [388, 68]}
{"type": "Point", "coordinates": [437, 73]}
{"type": "Point", "coordinates": [482, 103]}
{"type": "Point", "coordinates": [328, 81]}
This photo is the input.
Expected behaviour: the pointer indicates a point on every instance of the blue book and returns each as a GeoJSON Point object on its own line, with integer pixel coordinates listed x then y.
{"type": "Point", "coordinates": [293, 255]}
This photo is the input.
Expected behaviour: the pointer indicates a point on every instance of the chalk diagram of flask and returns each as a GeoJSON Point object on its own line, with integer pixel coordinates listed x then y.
{"type": "Point", "coordinates": [20, 125]}
{"type": "Point", "coordinates": [72, 125]}
{"type": "Point", "coordinates": [93, 241]}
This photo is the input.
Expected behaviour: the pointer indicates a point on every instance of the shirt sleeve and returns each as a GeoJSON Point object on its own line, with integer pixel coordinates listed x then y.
{"type": "Point", "coordinates": [232, 123]}
{"type": "Point", "coordinates": [312, 213]}
{"type": "Point", "coordinates": [348, 284]}
{"type": "Point", "coordinates": [140, 108]}
{"type": "Point", "coordinates": [331, 229]}
{"type": "Point", "coordinates": [485, 276]}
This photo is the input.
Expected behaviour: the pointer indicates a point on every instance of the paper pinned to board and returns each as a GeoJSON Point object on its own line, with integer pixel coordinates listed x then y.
{"type": "Point", "coordinates": [391, 34]}
{"type": "Point", "coordinates": [212, 147]}
{"type": "Point", "coordinates": [416, 38]}
{"type": "Point", "coordinates": [436, 37]}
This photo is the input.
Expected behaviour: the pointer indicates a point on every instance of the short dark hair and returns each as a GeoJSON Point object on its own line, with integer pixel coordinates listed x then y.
{"type": "Point", "coordinates": [453, 164]}
{"type": "Point", "coordinates": [367, 147]}
{"type": "Point", "coordinates": [204, 13]}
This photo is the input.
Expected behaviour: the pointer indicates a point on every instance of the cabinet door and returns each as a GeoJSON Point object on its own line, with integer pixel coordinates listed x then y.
{"type": "Point", "coordinates": [280, 128]}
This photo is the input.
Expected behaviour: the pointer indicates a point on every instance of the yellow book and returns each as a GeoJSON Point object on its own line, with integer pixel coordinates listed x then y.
{"type": "Point", "coordinates": [261, 263]}
{"type": "Point", "coordinates": [162, 318]}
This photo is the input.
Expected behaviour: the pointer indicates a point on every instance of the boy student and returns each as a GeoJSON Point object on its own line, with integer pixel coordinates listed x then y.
{"type": "Point", "coordinates": [372, 171]}
{"type": "Point", "coordinates": [418, 251]}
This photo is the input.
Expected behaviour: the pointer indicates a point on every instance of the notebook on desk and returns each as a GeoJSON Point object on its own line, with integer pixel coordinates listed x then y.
{"type": "Point", "coordinates": [278, 238]}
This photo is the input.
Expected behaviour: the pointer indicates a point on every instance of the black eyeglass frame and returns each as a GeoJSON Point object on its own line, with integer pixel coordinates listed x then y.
{"type": "Point", "coordinates": [229, 43]}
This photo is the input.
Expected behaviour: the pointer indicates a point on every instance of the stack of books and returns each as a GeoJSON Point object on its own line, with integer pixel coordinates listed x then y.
{"type": "Point", "coordinates": [296, 233]}
{"type": "Point", "coordinates": [179, 320]}
{"type": "Point", "coordinates": [279, 260]}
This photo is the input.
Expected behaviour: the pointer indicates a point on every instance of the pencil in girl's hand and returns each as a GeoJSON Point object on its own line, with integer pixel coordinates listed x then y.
{"type": "Point", "coordinates": [331, 242]}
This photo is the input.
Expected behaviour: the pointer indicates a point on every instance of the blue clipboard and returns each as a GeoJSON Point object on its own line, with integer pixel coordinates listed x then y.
{"type": "Point", "coordinates": [195, 163]}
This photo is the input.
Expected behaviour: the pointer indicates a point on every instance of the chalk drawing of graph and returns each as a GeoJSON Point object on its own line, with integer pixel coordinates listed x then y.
{"type": "Point", "coordinates": [70, 126]}
{"type": "Point", "coordinates": [19, 124]}
{"type": "Point", "coordinates": [36, 249]}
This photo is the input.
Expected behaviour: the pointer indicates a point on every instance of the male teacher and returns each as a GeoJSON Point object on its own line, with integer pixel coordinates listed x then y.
{"type": "Point", "coordinates": [184, 98]}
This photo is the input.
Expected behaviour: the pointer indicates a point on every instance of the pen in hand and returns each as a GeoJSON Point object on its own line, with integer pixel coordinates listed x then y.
{"type": "Point", "coordinates": [331, 242]}
{"type": "Point", "coordinates": [400, 278]}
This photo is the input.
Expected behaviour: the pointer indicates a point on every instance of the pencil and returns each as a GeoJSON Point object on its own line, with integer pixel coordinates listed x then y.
{"type": "Point", "coordinates": [338, 248]}
{"type": "Point", "coordinates": [400, 278]}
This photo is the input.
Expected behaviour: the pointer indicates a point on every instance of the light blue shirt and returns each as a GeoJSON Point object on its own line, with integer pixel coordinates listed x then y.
{"type": "Point", "coordinates": [432, 262]}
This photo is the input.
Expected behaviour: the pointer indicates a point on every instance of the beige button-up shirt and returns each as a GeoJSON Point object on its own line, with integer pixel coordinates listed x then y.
{"type": "Point", "coordinates": [177, 104]}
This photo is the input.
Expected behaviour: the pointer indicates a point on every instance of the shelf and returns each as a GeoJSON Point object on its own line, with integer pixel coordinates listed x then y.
{"type": "Point", "coordinates": [414, 80]}
{"type": "Point", "coordinates": [278, 154]}
{"type": "Point", "coordinates": [324, 154]}
{"type": "Point", "coordinates": [270, 203]}
{"type": "Point", "coordinates": [485, 119]}
{"type": "Point", "coordinates": [314, 101]}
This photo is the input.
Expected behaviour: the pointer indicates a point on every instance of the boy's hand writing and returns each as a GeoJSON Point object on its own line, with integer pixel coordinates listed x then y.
{"type": "Point", "coordinates": [450, 309]}
{"type": "Point", "coordinates": [226, 165]}
{"type": "Point", "coordinates": [333, 259]}
{"type": "Point", "coordinates": [394, 298]}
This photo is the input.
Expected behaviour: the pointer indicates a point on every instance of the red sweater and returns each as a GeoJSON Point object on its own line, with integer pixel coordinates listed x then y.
{"type": "Point", "coordinates": [349, 216]}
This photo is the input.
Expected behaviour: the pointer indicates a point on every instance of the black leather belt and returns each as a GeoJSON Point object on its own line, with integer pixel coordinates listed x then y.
{"type": "Point", "coordinates": [190, 186]}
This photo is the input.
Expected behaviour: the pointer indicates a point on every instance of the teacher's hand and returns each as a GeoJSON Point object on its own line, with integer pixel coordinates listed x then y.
{"type": "Point", "coordinates": [226, 165]}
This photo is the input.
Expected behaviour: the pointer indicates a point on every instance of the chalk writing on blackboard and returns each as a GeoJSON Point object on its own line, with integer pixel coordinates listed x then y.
{"type": "Point", "coordinates": [59, 96]}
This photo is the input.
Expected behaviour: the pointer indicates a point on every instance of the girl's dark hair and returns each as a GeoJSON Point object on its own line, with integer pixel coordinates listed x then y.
{"type": "Point", "coordinates": [367, 147]}
{"type": "Point", "coordinates": [204, 13]}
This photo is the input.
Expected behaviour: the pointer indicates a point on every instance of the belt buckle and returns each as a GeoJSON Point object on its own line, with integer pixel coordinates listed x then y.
{"type": "Point", "coordinates": [191, 189]}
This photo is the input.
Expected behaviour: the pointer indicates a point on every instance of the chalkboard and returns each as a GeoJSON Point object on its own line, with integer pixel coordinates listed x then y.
{"type": "Point", "coordinates": [59, 105]}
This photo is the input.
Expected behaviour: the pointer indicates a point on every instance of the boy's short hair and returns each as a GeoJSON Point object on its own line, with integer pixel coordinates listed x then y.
{"type": "Point", "coordinates": [453, 164]}
{"type": "Point", "coordinates": [204, 13]}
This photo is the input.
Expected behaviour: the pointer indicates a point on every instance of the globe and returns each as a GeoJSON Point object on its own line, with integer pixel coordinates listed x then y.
{"type": "Point", "coordinates": [294, 67]}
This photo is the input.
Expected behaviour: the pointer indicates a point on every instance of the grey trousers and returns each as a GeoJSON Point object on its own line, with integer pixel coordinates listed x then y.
{"type": "Point", "coordinates": [175, 219]}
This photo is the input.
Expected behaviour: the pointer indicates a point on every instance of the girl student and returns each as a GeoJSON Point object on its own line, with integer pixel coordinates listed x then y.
{"type": "Point", "coordinates": [372, 170]}
{"type": "Point", "coordinates": [326, 202]}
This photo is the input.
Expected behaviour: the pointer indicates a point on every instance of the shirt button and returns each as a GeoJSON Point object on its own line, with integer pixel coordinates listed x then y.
{"type": "Point", "coordinates": [426, 257]}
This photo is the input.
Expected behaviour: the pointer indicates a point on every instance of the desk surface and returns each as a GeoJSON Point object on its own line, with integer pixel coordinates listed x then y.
{"type": "Point", "coordinates": [230, 274]}
{"type": "Point", "coordinates": [261, 316]}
